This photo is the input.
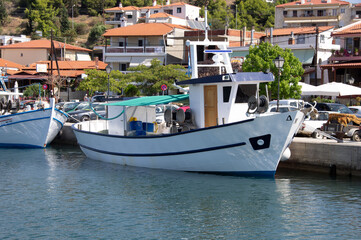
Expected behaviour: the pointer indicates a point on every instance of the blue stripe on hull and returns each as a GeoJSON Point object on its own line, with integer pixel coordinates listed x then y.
{"type": "Point", "coordinates": [164, 153]}
{"type": "Point", "coordinates": [15, 145]}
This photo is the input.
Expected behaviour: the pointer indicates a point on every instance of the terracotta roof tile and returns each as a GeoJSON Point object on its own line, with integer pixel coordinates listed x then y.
{"type": "Point", "coordinates": [301, 30]}
{"type": "Point", "coordinates": [129, 8]}
{"type": "Point", "coordinates": [70, 65]}
{"type": "Point", "coordinates": [43, 44]}
{"type": "Point", "coordinates": [350, 29]}
{"type": "Point", "coordinates": [313, 2]}
{"type": "Point", "coordinates": [345, 65]}
{"type": "Point", "coordinates": [144, 29]}
{"type": "Point", "coordinates": [10, 64]}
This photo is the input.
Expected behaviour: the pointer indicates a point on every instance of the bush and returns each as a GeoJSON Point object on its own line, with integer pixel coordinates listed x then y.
{"type": "Point", "coordinates": [81, 28]}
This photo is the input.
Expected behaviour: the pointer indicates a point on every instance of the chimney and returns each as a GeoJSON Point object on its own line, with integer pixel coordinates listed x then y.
{"type": "Point", "coordinates": [120, 5]}
{"type": "Point", "coordinates": [271, 35]}
{"type": "Point", "coordinates": [302, 1]}
{"type": "Point", "coordinates": [154, 3]}
{"type": "Point", "coordinates": [96, 62]}
{"type": "Point", "coordinates": [168, 2]}
{"type": "Point", "coordinates": [328, 1]}
{"type": "Point", "coordinates": [244, 36]}
{"type": "Point", "coordinates": [291, 40]}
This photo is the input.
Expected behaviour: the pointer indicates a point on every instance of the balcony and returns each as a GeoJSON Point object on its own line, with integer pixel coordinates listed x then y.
{"type": "Point", "coordinates": [311, 19]}
{"type": "Point", "coordinates": [346, 55]}
{"type": "Point", "coordinates": [133, 49]}
{"type": "Point", "coordinates": [113, 20]}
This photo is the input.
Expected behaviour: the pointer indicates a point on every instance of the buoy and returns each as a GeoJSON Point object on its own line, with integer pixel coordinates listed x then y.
{"type": "Point", "coordinates": [286, 154]}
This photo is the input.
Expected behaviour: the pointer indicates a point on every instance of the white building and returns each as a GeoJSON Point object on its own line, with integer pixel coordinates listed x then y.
{"type": "Point", "coordinates": [130, 15]}
{"type": "Point", "coordinates": [302, 42]}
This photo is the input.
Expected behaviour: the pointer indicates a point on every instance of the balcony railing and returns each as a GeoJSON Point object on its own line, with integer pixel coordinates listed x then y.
{"type": "Point", "coordinates": [131, 49]}
{"type": "Point", "coordinates": [305, 18]}
{"type": "Point", "coordinates": [346, 55]}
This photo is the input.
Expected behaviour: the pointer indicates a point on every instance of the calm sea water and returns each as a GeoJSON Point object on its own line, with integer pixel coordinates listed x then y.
{"type": "Point", "coordinates": [57, 193]}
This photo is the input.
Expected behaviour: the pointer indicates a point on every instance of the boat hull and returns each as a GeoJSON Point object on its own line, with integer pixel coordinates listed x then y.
{"type": "Point", "coordinates": [250, 147]}
{"type": "Point", "coordinates": [31, 129]}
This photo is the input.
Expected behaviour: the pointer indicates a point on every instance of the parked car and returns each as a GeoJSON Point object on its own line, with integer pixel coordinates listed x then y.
{"type": "Point", "coordinates": [297, 103]}
{"type": "Point", "coordinates": [85, 113]}
{"type": "Point", "coordinates": [282, 108]}
{"type": "Point", "coordinates": [333, 107]}
{"type": "Point", "coordinates": [356, 110]}
{"type": "Point", "coordinates": [59, 105]}
{"type": "Point", "coordinates": [69, 106]}
{"type": "Point", "coordinates": [312, 124]}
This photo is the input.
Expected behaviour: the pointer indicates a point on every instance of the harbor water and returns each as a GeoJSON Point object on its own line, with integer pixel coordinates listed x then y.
{"type": "Point", "coordinates": [58, 193]}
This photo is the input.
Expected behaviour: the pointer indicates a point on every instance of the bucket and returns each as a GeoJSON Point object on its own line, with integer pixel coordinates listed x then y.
{"type": "Point", "coordinates": [136, 125]}
{"type": "Point", "coordinates": [140, 133]}
{"type": "Point", "coordinates": [148, 127]}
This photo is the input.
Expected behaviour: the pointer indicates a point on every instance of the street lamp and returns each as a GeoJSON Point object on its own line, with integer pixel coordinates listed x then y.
{"type": "Point", "coordinates": [278, 61]}
{"type": "Point", "coordinates": [72, 16]}
{"type": "Point", "coordinates": [108, 69]}
{"type": "Point", "coordinates": [68, 80]}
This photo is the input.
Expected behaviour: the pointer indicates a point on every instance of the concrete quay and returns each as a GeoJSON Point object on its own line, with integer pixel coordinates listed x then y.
{"type": "Point", "coordinates": [325, 155]}
{"type": "Point", "coordinates": [307, 154]}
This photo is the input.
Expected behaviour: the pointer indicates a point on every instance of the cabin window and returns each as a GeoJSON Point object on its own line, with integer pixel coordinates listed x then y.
{"type": "Point", "coordinates": [226, 93]}
{"type": "Point", "coordinates": [244, 92]}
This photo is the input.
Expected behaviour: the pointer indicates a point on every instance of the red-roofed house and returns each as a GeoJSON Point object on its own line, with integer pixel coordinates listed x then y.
{"type": "Point", "coordinates": [39, 50]}
{"type": "Point", "coordinates": [346, 63]}
{"type": "Point", "coordinates": [72, 70]}
{"type": "Point", "coordinates": [130, 15]}
{"type": "Point", "coordinates": [306, 13]}
{"type": "Point", "coordinates": [140, 43]}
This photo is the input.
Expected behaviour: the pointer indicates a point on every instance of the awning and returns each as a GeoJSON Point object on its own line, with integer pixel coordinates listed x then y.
{"type": "Point", "coordinates": [83, 57]}
{"type": "Point", "coordinates": [304, 55]}
{"type": "Point", "coordinates": [152, 100]}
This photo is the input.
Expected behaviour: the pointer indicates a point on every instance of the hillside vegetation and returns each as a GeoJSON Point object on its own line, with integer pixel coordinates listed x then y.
{"type": "Point", "coordinates": [31, 17]}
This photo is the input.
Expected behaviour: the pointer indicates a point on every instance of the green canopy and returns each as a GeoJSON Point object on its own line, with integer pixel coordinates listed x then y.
{"type": "Point", "coordinates": [152, 100]}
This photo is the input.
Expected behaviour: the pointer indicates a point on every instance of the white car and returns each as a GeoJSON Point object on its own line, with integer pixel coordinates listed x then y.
{"type": "Point", "coordinates": [355, 109]}
{"type": "Point", "coordinates": [282, 108]}
{"type": "Point", "coordinates": [310, 125]}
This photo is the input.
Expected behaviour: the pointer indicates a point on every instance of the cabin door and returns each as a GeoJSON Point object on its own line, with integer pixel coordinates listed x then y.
{"type": "Point", "coordinates": [210, 106]}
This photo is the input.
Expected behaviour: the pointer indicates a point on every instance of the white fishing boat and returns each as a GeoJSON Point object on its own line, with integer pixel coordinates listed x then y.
{"type": "Point", "coordinates": [222, 132]}
{"type": "Point", "coordinates": [28, 128]}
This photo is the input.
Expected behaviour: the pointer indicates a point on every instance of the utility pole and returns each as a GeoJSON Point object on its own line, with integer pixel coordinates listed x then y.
{"type": "Point", "coordinates": [316, 57]}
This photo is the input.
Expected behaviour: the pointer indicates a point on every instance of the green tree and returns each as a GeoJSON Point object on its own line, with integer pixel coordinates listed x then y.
{"type": "Point", "coordinates": [260, 58]}
{"type": "Point", "coordinates": [150, 79]}
{"type": "Point", "coordinates": [131, 91]}
{"type": "Point", "coordinates": [64, 20]}
{"type": "Point", "coordinates": [42, 17]}
{"type": "Point", "coordinates": [3, 12]}
{"type": "Point", "coordinates": [95, 35]}
{"type": "Point", "coordinates": [33, 91]}
{"type": "Point", "coordinates": [98, 81]}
